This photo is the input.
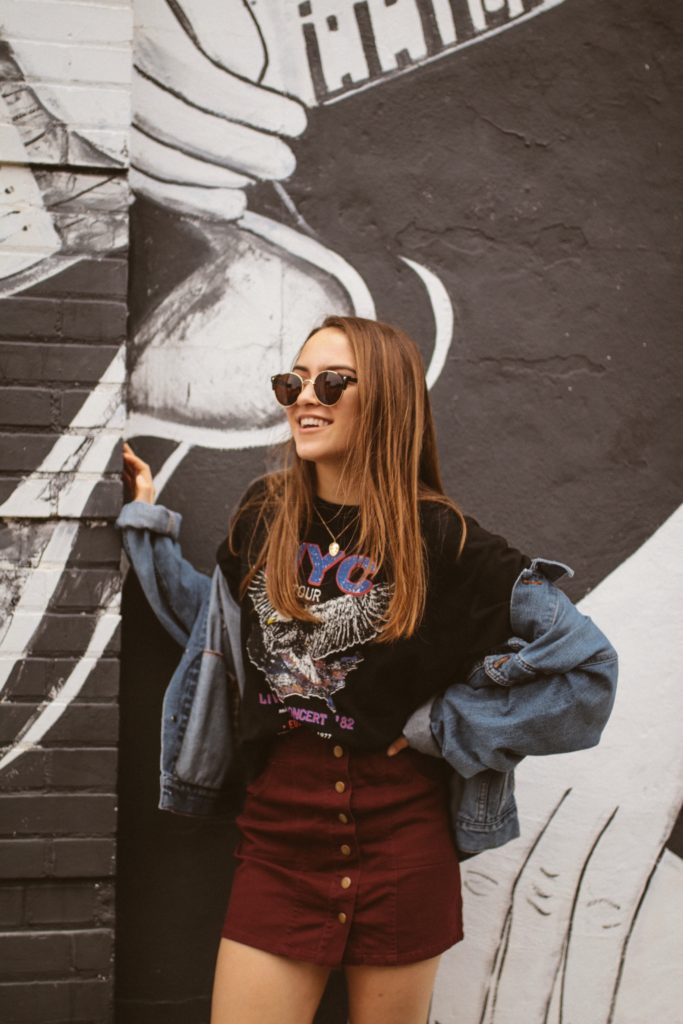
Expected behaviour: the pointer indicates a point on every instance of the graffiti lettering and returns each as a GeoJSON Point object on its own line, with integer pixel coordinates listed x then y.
{"type": "Point", "coordinates": [350, 46]}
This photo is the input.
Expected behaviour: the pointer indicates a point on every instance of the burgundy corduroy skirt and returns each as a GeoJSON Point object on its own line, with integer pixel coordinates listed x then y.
{"type": "Point", "coordinates": [346, 857]}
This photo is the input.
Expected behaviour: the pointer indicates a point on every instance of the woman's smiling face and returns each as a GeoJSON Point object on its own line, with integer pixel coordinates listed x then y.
{"type": "Point", "coordinates": [324, 433]}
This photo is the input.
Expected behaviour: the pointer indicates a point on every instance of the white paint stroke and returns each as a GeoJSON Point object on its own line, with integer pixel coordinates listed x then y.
{"type": "Point", "coordinates": [73, 498]}
{"type": "Point", "coordinates": [170, 465]}
{"type": "Point", "coordinates": [104, 630]}
{"type": "Point", "coordinates": [142, 425]}
{"type": "Point", "coordinates": [442, 310]}
{"type": "Point", "coordinates": [35, 495]}
{"type": "Point", "coordinates": [36, 595]}
{"type": "Point", "coordinates": [45, 268]}
{"type": "Point", "coordinates": [314, 252]}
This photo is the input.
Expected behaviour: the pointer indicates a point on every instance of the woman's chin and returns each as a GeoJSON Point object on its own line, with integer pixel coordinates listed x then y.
{"type": "Point", "coordinates": [314, 450]}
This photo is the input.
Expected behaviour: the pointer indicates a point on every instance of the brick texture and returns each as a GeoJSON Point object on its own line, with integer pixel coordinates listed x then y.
{"type": "Point", "coordinates": [60, 488]}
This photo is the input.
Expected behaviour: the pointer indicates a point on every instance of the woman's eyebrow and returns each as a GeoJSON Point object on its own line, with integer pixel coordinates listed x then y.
{"type": "Point", "coordinates": [305, 368]}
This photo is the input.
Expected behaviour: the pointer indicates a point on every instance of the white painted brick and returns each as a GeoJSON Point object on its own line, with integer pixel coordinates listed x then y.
{"type": "Point", "coordinates": [98, 105]}
{"type": "Point", "coordinates": [66, 21]}
{"type": "Point", "coordinates": [43, 62]}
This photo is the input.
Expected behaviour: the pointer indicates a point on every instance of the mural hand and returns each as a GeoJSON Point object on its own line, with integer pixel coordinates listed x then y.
{"type": "Point", "coordinates": [204, 128]}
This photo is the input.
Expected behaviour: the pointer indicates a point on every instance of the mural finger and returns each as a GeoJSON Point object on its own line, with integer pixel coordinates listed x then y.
{"type": "Point", "coordinates": [174, 64]}
{"type": "Point", "coordinates": [540, 916]}
{"type": "Point", "coordinates": [235, 41]}
{"type": "Point", "coordinates": [171, 120]}
{"type": "Point", "coordinates": [605, 914]}
{"type": "Point", "coordinates": [169, 164]}
{"type": "Point", "coordinates": [222, 203]}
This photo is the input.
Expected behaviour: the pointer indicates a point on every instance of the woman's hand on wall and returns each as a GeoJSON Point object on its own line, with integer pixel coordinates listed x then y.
{"type": "Point", "coordinates": [137, 476]}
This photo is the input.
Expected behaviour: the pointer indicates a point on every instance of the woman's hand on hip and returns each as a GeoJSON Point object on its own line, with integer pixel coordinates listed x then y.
{"type": "Point", "coordinates": [397, 746]}
{"type": "Point", "coordinates": [137, 476]}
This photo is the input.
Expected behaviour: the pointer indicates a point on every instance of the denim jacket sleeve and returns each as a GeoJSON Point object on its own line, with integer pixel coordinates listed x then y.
{"type": "Point", "coordinates": [550, 690]}
{"type": "Point", "coordinates": [175, 590]}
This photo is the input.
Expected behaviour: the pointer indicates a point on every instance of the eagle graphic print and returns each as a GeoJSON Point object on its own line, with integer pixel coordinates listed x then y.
{"type": "Point", "coordinates": [313, 659]}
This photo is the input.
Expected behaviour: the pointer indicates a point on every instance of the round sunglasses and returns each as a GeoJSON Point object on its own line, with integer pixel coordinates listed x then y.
{"type": "Point", "coordinates": [328, 385]}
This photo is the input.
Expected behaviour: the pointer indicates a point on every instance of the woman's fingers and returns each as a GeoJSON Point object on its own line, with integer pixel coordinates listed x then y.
{"type": "Point", "coordinates": [131, 459]}
{"type": "Point", "coordinates": [399, 744]}
{"type": "Point", "coordinates": [137, 476]}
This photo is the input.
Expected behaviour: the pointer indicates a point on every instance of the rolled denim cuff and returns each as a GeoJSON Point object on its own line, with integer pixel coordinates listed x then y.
{"type": "Point", "coordinates": [418, 731]}
{"type": "Point", "coordinates": [140, 515]}
{"type": "Point", "coordinates": [550, 568]}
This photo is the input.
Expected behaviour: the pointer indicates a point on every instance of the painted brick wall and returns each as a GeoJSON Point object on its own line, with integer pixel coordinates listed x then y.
{"type": "Point", "coordinates": [64, 113]}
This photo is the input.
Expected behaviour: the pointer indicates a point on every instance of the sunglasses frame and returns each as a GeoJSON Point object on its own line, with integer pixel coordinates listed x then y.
{"type": "Point", "coordinates": [345, 378]}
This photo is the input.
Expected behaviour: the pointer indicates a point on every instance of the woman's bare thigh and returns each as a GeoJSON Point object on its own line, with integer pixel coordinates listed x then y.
{"type": "Point", "coordinates": [254, 987]}
{"type": "Point", "coordinates": [391, 995]}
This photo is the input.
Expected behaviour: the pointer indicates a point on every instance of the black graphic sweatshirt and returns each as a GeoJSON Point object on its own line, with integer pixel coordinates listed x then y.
{"type": "Point", "coordinates": [332, 676]}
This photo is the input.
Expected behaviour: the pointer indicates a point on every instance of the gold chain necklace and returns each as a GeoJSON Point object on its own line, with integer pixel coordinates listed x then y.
{"type": "Point", "coordinates": [333, 548]}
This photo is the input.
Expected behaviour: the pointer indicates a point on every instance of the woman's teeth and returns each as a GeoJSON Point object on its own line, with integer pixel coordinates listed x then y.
{"type": "Point", "coordinates": [312, 421]}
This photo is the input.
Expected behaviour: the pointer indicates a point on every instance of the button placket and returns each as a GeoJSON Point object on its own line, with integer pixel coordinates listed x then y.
{"type": "Point", "coordinates": [347, 880]}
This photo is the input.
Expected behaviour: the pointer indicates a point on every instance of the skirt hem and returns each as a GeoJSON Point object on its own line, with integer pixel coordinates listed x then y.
{"type": "Point", "coordinates": [257, 942]}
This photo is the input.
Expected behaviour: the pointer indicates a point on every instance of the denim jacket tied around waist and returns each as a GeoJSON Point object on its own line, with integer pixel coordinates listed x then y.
{"type": "Point", "coordinates": [548, 690]}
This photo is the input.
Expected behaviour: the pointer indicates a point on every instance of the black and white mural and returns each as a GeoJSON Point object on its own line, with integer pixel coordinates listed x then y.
{"type": "Point", "coordinates": [498, 177]}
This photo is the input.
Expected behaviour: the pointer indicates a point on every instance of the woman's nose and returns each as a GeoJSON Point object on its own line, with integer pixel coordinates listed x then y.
{"type": "Point", "coordinates": [308, 393]}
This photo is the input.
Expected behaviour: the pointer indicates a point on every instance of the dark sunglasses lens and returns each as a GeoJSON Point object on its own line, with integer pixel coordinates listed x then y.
{"type": "Point", "coordinates": [287, 388]}
{"type": "Point", "coordinates": [328, 387]}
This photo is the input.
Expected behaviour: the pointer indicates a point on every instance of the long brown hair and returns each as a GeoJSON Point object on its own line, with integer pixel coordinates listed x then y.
{"type": "Point", "coordinates": [394, 465]}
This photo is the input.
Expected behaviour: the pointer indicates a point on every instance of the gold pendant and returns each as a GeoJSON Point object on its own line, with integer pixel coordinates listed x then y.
{"type": "Point", "coordinates": [333, 548]}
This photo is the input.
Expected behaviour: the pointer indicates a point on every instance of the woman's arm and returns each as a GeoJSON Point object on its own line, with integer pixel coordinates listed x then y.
{"type": "Point", "coordinates": [549, 690]}
{"type": "Point", "coordinates": [174, 588]}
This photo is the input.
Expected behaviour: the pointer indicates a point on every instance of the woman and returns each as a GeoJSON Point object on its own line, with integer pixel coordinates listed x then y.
{"type": "Point", "coordinates": [347, 855]}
